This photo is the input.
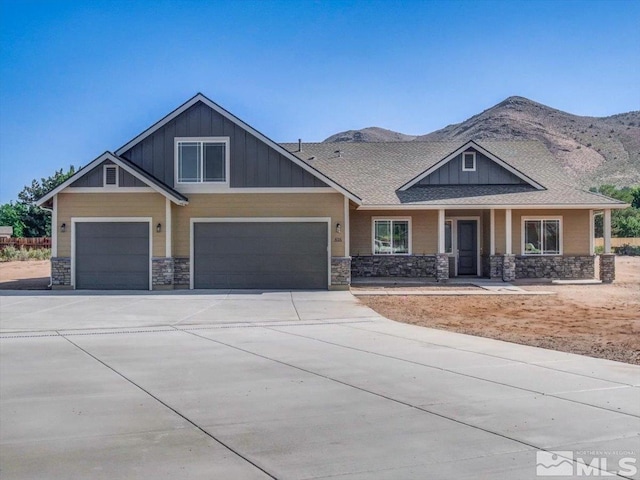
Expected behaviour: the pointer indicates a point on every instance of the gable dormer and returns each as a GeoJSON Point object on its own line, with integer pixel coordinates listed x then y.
{"type": "Point", "coordinates": [471, 164]}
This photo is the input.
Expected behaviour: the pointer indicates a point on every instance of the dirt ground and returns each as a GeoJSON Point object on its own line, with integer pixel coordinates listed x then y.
{"type": "Point", "coordinates": [596, 320]}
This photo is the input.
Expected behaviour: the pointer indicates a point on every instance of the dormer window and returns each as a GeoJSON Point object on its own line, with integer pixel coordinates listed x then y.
{"type": "Point", "coordinates": [469, 162]}
{"type": "Point", "coordinates": [110, 176]}
{"type": "Point", "coordinates": [202, 160]}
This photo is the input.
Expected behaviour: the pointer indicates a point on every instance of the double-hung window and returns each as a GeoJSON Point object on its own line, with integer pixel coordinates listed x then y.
{"type": "Point", "coordinates": [542, 236]}
{"type": "Point", "coordinates": [202, 160]}
{"type": "Point", "coordinates": [391, 237]}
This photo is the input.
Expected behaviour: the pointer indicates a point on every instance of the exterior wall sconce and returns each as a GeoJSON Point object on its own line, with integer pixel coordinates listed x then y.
{"type": "Point", "coordinates": [338, 227]}
{"type": "Point", "coordinates": [63, 227]}
{"type": "Point", "coordinates": [159, 228]}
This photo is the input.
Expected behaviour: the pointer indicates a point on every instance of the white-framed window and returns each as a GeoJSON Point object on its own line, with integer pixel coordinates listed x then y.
{"type": "Point", "coordinates": [448, 236]}
{"type": "Point", "coordinates": [391, 236]}
{"type": "Point", "coordinates": [542, 236]}
{"type": "Point", "coordinates": [469, 162]}
{"type": "Point", "coordinates": [202, 160]}
{"type": "Point", "coordinates": [110, 176]}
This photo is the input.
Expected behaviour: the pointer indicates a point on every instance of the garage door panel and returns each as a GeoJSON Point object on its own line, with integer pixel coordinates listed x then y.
{"type": "Point", "coordinates": [112, 255]}
{"type": "Point", "coordinates": [260, 255]}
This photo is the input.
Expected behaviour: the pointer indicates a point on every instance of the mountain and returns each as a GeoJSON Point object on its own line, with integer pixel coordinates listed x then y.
{"type": "Point", "coordinates": [593, 150]}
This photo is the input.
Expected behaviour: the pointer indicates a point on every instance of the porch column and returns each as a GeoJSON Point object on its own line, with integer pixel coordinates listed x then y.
{"type": "Point", "coordinates": [509, 262]}
{"type": "Point", "coordinates": [607, 231]}
{"type": "Point", "coordinates": [442, 259]}
{"type": "Point", "coordinates": [492, 232]}
{"type": "Point", "coordinates": [607, 259]}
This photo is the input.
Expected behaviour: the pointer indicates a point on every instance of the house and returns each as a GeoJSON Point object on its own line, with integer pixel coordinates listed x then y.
{"type": "Point", "coordinates": [202, 200]}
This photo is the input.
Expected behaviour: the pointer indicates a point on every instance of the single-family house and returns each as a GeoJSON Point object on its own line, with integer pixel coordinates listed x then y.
{"type": "Point", "coordinates": [203, 200]}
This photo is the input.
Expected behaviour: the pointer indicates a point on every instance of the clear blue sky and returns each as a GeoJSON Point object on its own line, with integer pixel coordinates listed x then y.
{"type": "Point", "coordinates": [78, 78]}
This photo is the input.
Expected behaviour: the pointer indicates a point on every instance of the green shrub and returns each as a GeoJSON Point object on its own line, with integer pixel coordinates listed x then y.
{"type": "Point", "coordinates": [11, 253]}
{"type": "Point", "coordinates": [626, 249]}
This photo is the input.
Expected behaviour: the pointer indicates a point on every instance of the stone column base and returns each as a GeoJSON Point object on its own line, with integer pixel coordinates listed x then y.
{"type": "Point", "coordinates": [495, 266]}
{"type": "Point", "coordinates": [340, 273]}
{"type": "Point", "coordinates": [162, 273]}
{"type": "Point", "coordinates": [508, 268]}
{"type": "Point", "coordinates": [442, 267]}
{"type": "Point", "coordinates": [60, 273]}
{"type": "Point", "coordinates": [607, 267]}
{"type": "Point", "coordinates": [181, 272]}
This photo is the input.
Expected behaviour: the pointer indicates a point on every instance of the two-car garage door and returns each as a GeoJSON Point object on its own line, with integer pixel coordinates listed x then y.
{"type": "Point", "coordinates": [284, 255]}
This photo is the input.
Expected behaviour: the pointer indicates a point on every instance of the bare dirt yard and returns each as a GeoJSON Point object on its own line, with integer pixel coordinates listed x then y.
{"type": "Point", "coordinates": [27, 275]}
{"type": "Point", "coordinates": [596, 320]}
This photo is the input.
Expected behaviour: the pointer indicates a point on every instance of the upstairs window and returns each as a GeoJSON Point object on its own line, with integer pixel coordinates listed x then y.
{"type": "Point", "coordinates": [110, 176]}
{"type": "Point", "coordinates": [202, 160]}
{"type": "Point", "coordinates": [542, 236]}
{"type": "Point", "coordinates": [391, 237]}
{"type": "Point", "coordinates": [469, 162]}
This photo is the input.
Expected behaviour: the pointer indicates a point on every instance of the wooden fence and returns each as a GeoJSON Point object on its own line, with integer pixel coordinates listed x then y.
{"type": "Point", "coordinates": [26, 243]}
{"type": "Point", "coordinates": [618, 242]}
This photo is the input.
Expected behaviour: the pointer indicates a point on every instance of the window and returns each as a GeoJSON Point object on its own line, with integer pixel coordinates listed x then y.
{"type": "Point", "coordinates": [391, 237]}
{"type": "Point", "coordinates": [542, 236]}
{"type": "Point", "coordinates": [202, 160]}
{"type": "Point", "coordinates": [110, 176]}
{"type": "Point", "coordinates": [448, 241]}
{"type": "Point", "coordinates": [469, 162]}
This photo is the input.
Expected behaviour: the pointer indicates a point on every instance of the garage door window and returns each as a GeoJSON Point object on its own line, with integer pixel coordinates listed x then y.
{"type": "Point", "coordinates": [202, 161]}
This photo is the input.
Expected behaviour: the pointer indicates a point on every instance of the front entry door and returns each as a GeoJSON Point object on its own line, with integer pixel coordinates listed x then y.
{"type": "Point", "coordinates": [467, 247]}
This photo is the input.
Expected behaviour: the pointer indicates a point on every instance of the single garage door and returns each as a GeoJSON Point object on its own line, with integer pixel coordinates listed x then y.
{"type": "Point", "coordinates": [112, 256]}
{"type": "Point", "coordinates": [284, 255]}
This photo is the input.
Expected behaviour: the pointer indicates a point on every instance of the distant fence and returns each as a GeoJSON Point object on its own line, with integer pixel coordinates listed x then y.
{"type": "Point", "coordinates": [26, 243]}
{"type": "Point", "coordinates": [618, 242]}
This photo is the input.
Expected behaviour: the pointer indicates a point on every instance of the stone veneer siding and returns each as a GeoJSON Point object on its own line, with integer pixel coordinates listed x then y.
{"type": "Point", "coordinates": [60, 272]}
{"type": "Point", "coordinates": [508, 268]}
{"type": "Point", "coordinates": [162, 272]}
{"type": "Point", "coordinates": [565, 266]}
{"type": "Point", "coordinates": [340, 271]}
{"type": "Point", "coordinates": [495, 266]}
{"type": "Point", "coordinates": [607, 267]}
{"type": "Point", "coordinates": [442, 267]}
{"type": "Point", "coordinates": [181, 272]}
{"type": "Point", "coordinates": [393, 266]}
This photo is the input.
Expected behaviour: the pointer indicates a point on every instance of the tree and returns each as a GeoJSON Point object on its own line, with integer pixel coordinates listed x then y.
{"type": "Point", "coordinates": [26, 218]}
{"type": "Point", "coordinates": [624, 223]}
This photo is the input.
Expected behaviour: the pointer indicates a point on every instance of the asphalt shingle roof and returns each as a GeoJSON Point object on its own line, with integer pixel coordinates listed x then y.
{"type": "Point", "coordinates": [376, 171]}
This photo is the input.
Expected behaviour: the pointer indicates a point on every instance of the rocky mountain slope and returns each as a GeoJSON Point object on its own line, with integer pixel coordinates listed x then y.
{"type": "Point", "coordinates": [594, 150]}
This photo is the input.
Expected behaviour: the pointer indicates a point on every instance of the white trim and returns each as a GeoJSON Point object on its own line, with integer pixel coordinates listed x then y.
{"type": "Point", "coordinates": [508, 232]}
{"type": "Point", "coordinates": [280, 190]}
{"type": "Point", "coordinates": [555, 206]}
{"type": "Point", "coordinates": [195, 220]}
{"type": "Point", "coordinates": [108, 156]}
{"type": "Point", "coordinates": [347, 233]}
{"type": "Point", "coordinates": [606, 224]}
{"type": "Point", "coordinates": [485, 152]}
{"type": "Point", "coordinates": [492, 232]}
{"type": "Point", "coordinates": [201, 98]}
{"type": "Point", "coordinates": [392, 219]}
{"type": "Point", "coordinates": [454, 240]}
{"type": "Point", "coordinates": [75, 220]}
{"type": "Point", "coordinates": [523, 242]}
{"type": "Point", "coordinates": [592, 233]}
{"type": "Point", "coordinates": [167, 228]}
{"type": "Point", "coordinates": [464, 167]}
{"type": "Point", "coordinates": [104, 176]}
{"type": "Point", "coordinates": [54, 227]}
{"type": "Point", "coordinates": [205, 187]}
{"type": "Point", "coordinates": [110, 189]}
{"type": "Point", "coordinates": [441, 237]}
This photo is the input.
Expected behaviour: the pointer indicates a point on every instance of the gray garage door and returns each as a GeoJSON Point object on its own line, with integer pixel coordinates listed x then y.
{"type": "Point", "coordinates": [260, 255]}
{"type": "Point", "coordinates": [112, 256]}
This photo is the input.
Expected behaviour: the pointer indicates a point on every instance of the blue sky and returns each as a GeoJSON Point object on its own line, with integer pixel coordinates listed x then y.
{"type": "Point", "coordinates": [78, 78]}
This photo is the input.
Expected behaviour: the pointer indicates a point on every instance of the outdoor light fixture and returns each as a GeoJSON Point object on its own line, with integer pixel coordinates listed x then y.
{"type": "Point", "coordinates": [159, 228]}
{"type": "Point", "coordinates": [338, 227]}
{"type": "Point", "coordinates": [63, 227]}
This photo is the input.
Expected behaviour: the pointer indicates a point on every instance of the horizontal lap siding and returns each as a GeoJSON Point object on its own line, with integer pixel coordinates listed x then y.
{"type": "Point", "coordinates": [258, 205]}
{"type": "Point", "coordinates": [111, 205]}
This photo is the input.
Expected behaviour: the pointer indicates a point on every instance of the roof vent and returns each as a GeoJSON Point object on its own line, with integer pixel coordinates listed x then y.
{"type": "Point", "coordinates": [299, 144]}
{"type": "Point", "coordinates": [339, 153]}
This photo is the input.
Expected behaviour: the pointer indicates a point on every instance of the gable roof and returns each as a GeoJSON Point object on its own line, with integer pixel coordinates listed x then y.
{"type": "Point", "coordinates": [464, 148]}
{"type": "Point", "coordinates": [199, 97]}
{"type": "Point", "coordinates": [131, 168]}
{"type": "Point", "coordinates": [377, 171]}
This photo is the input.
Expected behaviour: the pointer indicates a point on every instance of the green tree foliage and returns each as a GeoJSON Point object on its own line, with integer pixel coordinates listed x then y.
{"type": "Point", "coordinates": [26, 218]}
{"type": "Point", "coordinates": [624, 223]}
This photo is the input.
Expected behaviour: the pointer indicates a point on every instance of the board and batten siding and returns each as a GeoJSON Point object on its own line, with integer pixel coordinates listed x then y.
{"type": "Point", "coordinates": [74, 205]}
{"type": "Point", "coordinates": [95, 178]}
{"type": "Point", "coordinates": [252, 163]}
{"type": "Point", "coordinates": [487, 172]}
{"type": "Point", "coordinates": [266, 205]}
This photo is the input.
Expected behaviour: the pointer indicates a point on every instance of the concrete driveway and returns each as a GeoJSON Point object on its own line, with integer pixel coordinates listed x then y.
{"type": "Point", "coordinates": [290, 386]}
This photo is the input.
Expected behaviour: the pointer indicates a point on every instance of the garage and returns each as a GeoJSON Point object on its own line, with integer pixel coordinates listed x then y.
{"type": "Point", "coordinates": [112, 255]}
{"type": "Point", "coordinates": [264, 255]}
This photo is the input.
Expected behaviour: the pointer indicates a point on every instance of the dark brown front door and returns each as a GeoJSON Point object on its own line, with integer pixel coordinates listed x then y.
{"type": "Point", "coordinates": [467, 247]}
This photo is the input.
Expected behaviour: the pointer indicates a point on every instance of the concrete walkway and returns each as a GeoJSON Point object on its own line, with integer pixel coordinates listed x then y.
{"type": "Point", "coordinates": [290, 386]}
